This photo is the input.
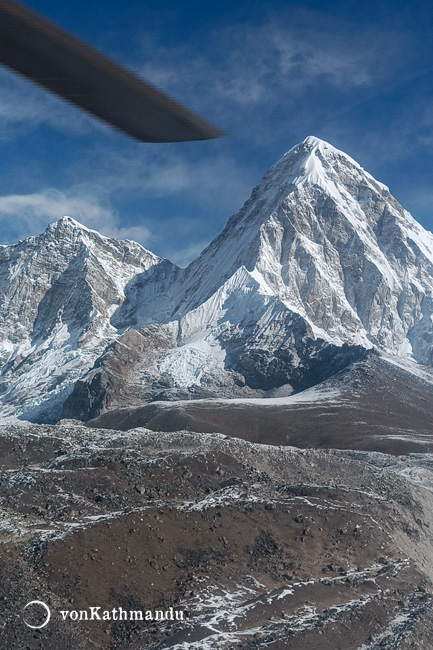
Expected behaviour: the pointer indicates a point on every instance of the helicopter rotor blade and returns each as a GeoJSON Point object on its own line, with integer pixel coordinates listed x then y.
{"type": "Point", "coordinates": [68, 67]}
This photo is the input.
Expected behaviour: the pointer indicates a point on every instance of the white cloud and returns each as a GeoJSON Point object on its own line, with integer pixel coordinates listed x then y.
{"type": "Point", "coordinates": [245, 77]}
{"type": "Point", "coordinates": [275, 61]}
{"type": "Point", "coordinates": [269, 84]}
{"type": "Point", "coordinates": [186, 255]}
{"type": "Point", "coordinates": [22, 215]}
{"type": "Point", "coordinates": [165, 172]}
{"type": "Point", "coordinates": [217, 185]}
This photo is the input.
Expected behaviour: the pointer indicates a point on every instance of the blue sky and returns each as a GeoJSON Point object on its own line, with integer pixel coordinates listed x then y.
{"type": "Point", "coordinates": [269, 73]}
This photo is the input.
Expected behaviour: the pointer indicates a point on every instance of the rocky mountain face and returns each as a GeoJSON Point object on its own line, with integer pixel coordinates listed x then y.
{"type": "Point", "coordinates": [57, 294]}
{"type": "Point", "coordinates": [319, 267]}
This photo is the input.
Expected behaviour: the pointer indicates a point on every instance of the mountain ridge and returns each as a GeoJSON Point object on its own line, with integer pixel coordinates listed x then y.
{"type": "Point", "coordinates": [321, 262]}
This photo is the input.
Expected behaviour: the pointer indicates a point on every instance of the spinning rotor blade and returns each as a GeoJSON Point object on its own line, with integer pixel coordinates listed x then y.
{"type": "Point", "coordinates": [65, 65]}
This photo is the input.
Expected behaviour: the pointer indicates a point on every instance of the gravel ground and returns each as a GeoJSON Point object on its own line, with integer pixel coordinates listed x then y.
{"type": "Point", "coordinates": [258, 546]}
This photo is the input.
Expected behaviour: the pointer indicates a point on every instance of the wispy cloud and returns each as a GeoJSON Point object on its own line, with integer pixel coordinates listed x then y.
{"type": "Point", "coordinates": [250, 65]}
{"type": "Point", "coordinates": [246, 77]}
{"type": "Point", "coordinates": [167, 173]}
{"type": "Point", "coordinates": [215, 185]}
{"type": "Point", "coordinates": [269, 83]}
{"type": "Point", "coordinates": [22, 215]}
{"type": "Point", "coordinates": [184, 256]}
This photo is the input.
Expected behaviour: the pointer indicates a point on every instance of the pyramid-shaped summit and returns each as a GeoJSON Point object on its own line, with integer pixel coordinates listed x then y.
{"type": "Point", "coordinates": [318, 267]}
{"type": "Point", "coordinates": [334, 246]}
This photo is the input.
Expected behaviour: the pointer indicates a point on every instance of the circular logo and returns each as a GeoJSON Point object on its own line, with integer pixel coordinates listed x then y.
{"type": "Point", "coordinates": [48, 615]}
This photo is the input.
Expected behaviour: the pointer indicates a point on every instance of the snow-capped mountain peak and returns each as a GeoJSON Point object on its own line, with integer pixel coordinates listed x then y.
{"type": "Point", "coordinates": [316, 162]}
{"type": "Point", "coordinates": [67, 222]}
{"type": "Point", "coordinates": [319, 265]}
{"type": "Point", "coordinates": [333, 245]}
{"type": "Point", "coordinates": [58, 292]}
{"type": "Point", "coordinates": [312, 145]}
{"type": "Point", "coordinates": [68, 229]}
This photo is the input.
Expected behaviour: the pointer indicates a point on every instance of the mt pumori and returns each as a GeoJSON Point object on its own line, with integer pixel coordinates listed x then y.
{"type": "Point", "coordinates": [318, 268]}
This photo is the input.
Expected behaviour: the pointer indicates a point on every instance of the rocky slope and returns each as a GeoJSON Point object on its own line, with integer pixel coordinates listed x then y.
{"type": "Point", "coordinates": [319, 266]}
{"type": "Point", "coordinates": [372, 405]}
{"type": "Point", "coordinates": [263, 546]}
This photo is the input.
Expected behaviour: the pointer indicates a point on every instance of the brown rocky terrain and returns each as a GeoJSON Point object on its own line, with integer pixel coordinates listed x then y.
{"type": "Point", "coordinates": [372, 405]}
{"type": "Point", "coordinates": [260, 546]}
